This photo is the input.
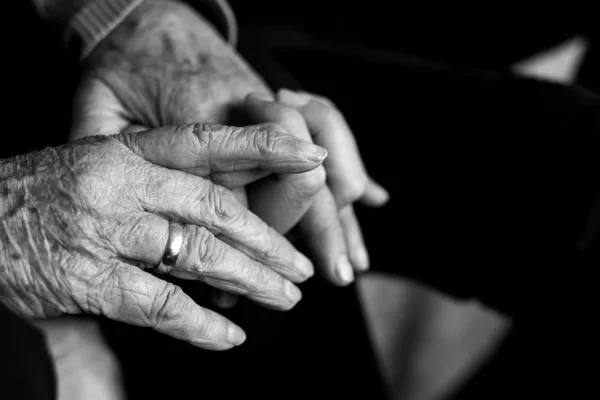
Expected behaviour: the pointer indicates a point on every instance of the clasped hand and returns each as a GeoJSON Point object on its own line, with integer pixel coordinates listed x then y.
{"type": "Point", "coordinates": [81, 222]}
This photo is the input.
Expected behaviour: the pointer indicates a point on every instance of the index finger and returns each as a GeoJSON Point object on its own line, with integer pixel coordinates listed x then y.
{"type": "Point", "coordinates": [203, 149]}
{"type": "Point", "coordinates": [189, 199]}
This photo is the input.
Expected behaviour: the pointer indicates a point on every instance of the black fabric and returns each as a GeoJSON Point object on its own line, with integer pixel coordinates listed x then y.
{"type": "Point", "coordinates": [26, 368]}
{"type": "Point", "coordinates": [492, 179]}
{"type": "Point", "coordinates": [318, 349]}
{"type": "Point", "coordinates": [489, 36]}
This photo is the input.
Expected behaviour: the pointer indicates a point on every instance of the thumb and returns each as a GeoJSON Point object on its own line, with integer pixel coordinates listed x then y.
{"type": "Point", "coordinates": [96, 111]}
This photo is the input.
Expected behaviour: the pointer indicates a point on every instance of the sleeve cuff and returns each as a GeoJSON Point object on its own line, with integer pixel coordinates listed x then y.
{"type": "Point", "coordinates": [98, 18]}
{"type": "Point", "coordinates": [95, 21]}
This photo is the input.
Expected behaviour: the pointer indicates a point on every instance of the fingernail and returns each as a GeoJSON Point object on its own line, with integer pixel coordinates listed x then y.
{"type": "Point", "coordinates": [362, 259]}
{"type": "Point", "coordinates": [292, 292]}
{"type": "Point", "coordinates": [235, 335]}
{"type": "Point", "coordinates": [262, 96]}
{"type": "Point", "coordinates": [344, 270]}
{"type": "Point", "coordinates": [290, 98]}
{"type": "Point", "coordinates": [312, 152]}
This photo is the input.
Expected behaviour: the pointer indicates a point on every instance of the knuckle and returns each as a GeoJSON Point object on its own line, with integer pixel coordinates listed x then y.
{"type": "Point", "coordinates": [192, 136]}
{"type": "Point", "coordinates": [209, 135]}
{"type": "Point", "coordinates": [264, 279]}
{"type": "Point", "coordinates": [260, 281]}
{"type": "Point", "coordinates": [209, 252]}
{"type": "Point", "coordinates": [218, 137]}
{"type": "Point", "coordinates": [264, 141]}
{"type": "Point", "coordinates": [219, 204]}
{"type": "Point", "coordinates": [215, 136]}
{"type": "Point", "coordinates": [201, 135]}
{"type": "Point", "coordinates": [165, 304]}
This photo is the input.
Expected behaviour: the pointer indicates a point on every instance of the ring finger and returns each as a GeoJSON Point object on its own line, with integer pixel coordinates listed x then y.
{"type": "Point", "coordinates": [204, 257]}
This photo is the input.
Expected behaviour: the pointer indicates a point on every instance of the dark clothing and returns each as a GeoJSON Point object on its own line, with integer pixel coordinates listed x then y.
{"type": "Point", "coordinates": [26, 370]}
{"type": "Point", "coordinates": [493, 180]}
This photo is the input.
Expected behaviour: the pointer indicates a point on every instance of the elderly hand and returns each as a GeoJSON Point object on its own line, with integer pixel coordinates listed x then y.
{"type": "Point", "coordinates": [81, 223]}
{"type": "Point", "coordinates": [334, 237]}
{"type": "Point", "coordinates": [166, 65]}
{"type": "Point", "coordinates": [163, 65]}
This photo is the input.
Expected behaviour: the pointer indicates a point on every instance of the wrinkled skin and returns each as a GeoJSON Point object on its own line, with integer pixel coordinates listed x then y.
{"type": "Point", "coordinates": [165, 64]}
{"type": "Point", "coordinates": [81, 222]}
{"type": "Point", "coordinates": [60, 229]}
